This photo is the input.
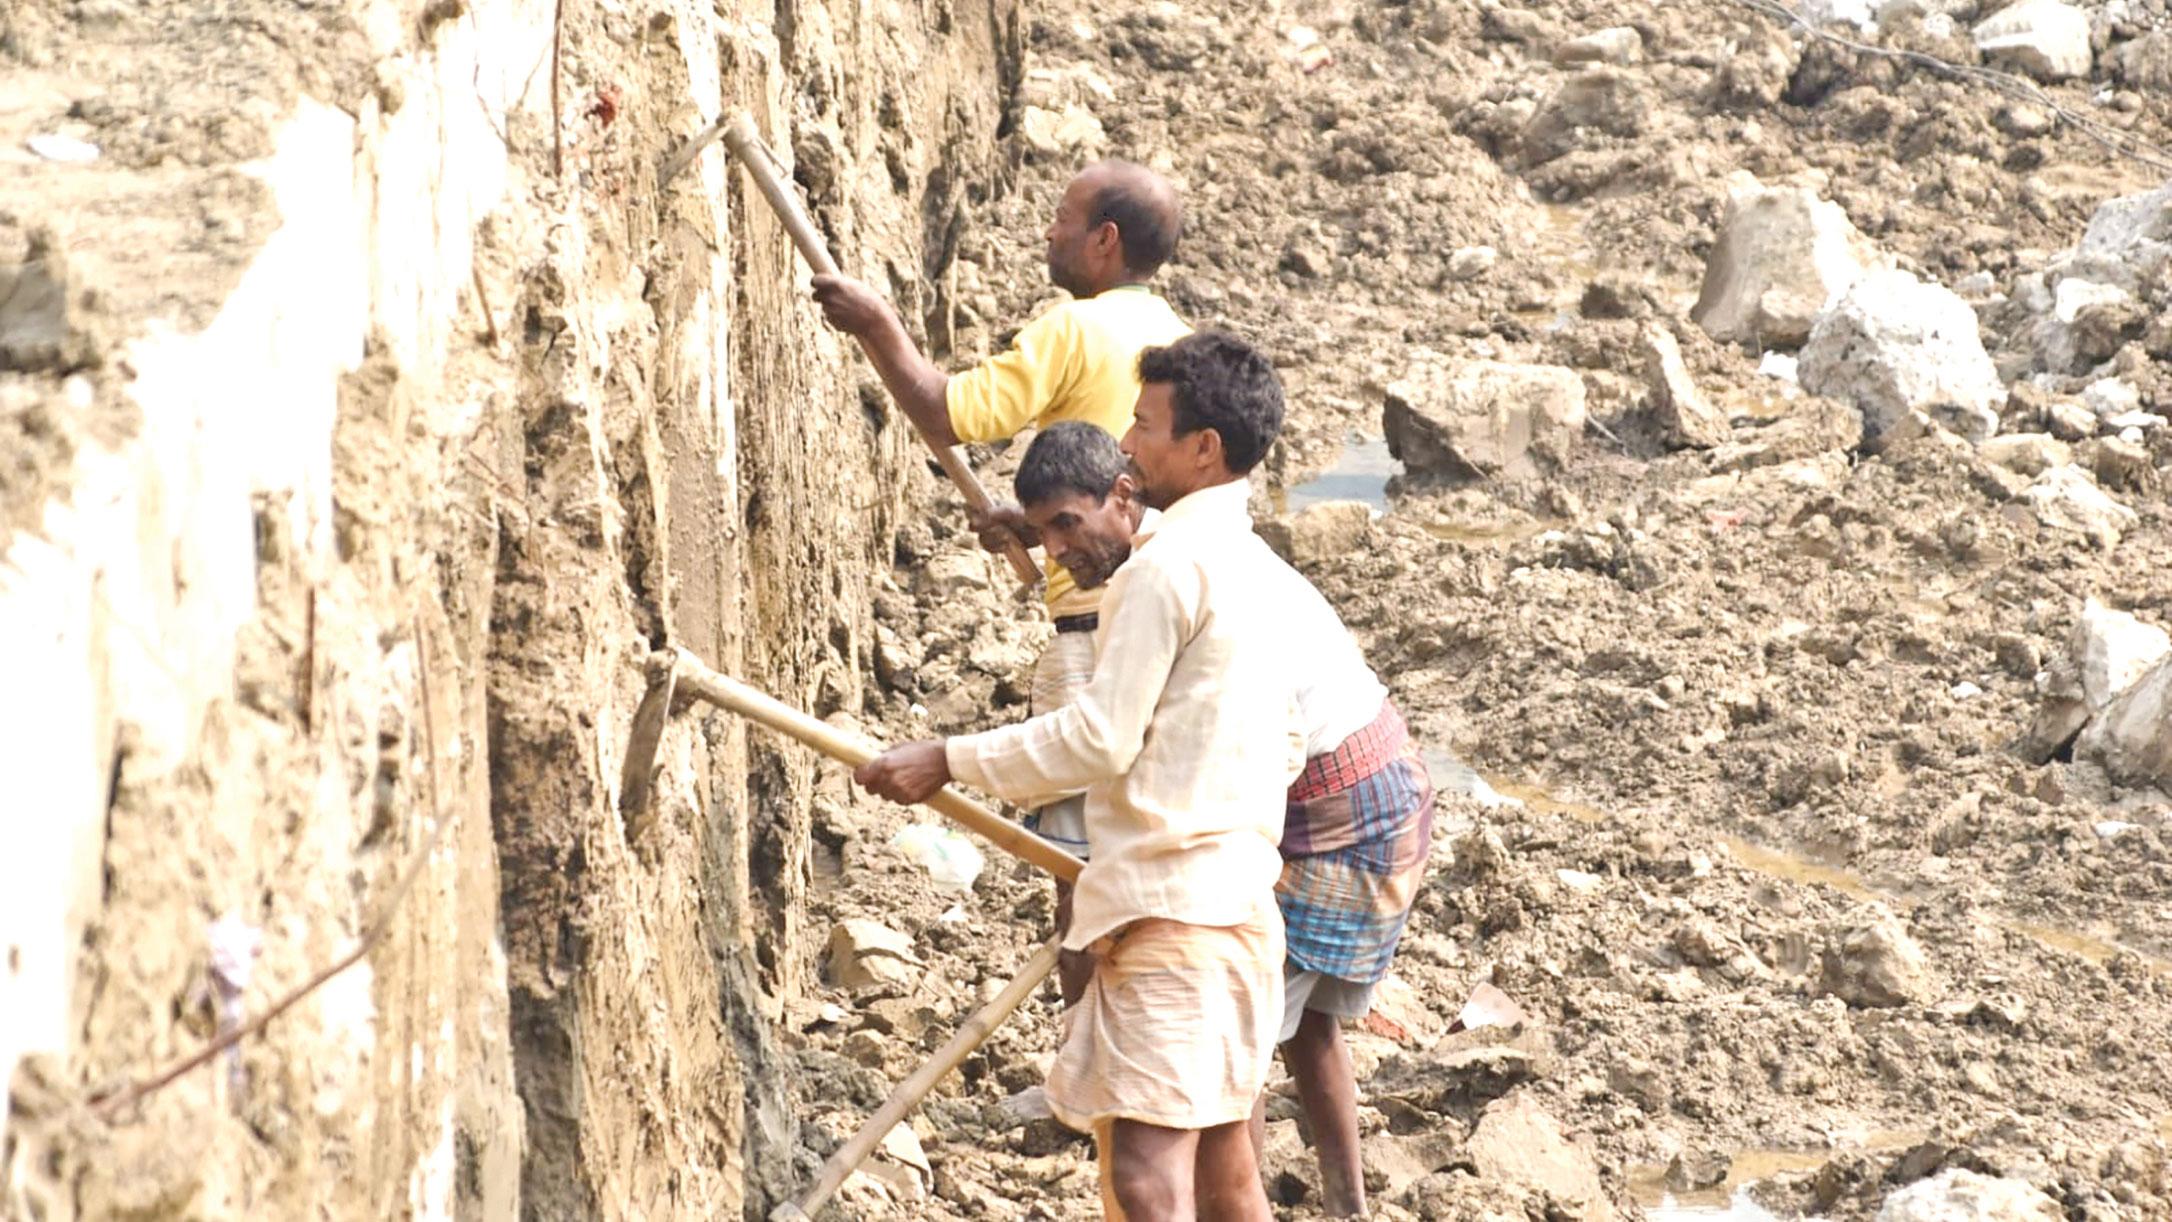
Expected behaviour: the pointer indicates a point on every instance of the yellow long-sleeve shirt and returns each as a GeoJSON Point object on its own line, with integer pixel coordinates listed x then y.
{"type": "Point", "coordinates": [1077, 361]}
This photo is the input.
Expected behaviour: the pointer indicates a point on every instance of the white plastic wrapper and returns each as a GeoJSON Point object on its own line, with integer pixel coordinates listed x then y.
{"type": "Point", "coordinates": [949, 858]}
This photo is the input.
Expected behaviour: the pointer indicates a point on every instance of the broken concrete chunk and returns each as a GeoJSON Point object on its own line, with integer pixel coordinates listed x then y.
{"type": "Point", "coordinates": [1685, 417]}
{"type": "Point", "coordinates": [2132, 737]}
{"type": "Point", "coordinates": [864, 953]}
{"type": "Point", "coordinates": [1473, 420]}
{"type": "Point", "coordinates": [1893, 345]}
{"type": "Point", "coordinates": [2087, 324]}
{"type": "Point", "coordinates": [1956, 1195]}
{"type": "Point", "coordinates": [1517, 1142]}
{"type": "Point", "coordinates": [1320, 532]}
{"type": "Point", "coordinates": [2065, 498]}
{"type": "Point", "coordinates": [2112, 650]}
{"type": "Point", "coordinates": [1782, 255]}
{"type": "Point", "coordinates": [2044, 38]}
{"type": "Point", "coordinates": [1876, 965]}
{"type": "Point", "coordinates": [2128, 239]}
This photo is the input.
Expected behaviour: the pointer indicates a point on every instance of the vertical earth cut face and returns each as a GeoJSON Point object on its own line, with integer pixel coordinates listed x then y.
{"type": "Point", "coordinates": [370, 431]}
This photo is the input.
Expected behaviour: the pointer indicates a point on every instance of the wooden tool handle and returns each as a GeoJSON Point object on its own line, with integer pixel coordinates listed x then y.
{"type": "Point", "coordinates": [741, 139]}
{"type": "Point", "coordinates": [725, 692]}
{"type": "Point", "coordinates": [915, 1088]}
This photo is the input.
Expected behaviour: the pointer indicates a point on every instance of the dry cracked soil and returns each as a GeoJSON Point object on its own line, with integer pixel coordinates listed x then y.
{"type": "Point", "coordinates": [1731, 737]}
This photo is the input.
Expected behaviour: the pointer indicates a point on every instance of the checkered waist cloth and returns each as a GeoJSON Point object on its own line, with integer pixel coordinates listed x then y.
{"type": "Point", "coordinates": [1359, 756]}
{"type": "Point", "coordinates": [1355, 837]}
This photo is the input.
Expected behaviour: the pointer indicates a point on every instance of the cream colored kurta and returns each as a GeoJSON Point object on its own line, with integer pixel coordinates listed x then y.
{"type": "Point", "coordinates": [1185, 740]}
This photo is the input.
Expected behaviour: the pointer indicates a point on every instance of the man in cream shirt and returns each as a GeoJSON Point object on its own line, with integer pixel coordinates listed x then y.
{"type": "Point", "coordinates": [1185, 740]}
{"type": "Point", "coordinates": [1358, 825]}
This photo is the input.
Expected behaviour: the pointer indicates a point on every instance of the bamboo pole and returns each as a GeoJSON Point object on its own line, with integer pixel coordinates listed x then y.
{"type": "Point", "coordinates": [915, 1088]}
{"type": "Point", "coordinates": [695, 679]}
{"type": "Point", "coordinates": [741, 140]}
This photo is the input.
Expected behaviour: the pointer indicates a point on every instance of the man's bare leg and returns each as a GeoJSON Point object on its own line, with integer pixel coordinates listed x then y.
{"type": "Point", "coordinates": [1150, 1170]}
{"type": "Point", "coordinates": [1327, 1090]}
{"type": "Point", "coordinates": [1226, 1178]}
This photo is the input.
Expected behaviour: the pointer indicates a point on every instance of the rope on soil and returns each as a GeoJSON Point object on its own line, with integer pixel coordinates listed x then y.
{"type": "Point", "coordinates": [110, 1106]}
{"type": "Point", "coordinates": [2116, 142]}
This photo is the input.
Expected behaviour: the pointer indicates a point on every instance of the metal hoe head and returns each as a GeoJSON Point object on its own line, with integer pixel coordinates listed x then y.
{"type": "Point", "coordinates": [637, 776]}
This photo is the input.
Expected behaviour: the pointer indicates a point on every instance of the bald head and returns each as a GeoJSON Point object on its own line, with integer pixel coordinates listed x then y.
{"type": "Point", "coordinates": [1143, 207]}
{"type": "Point", "coordinates": [1116, 225]}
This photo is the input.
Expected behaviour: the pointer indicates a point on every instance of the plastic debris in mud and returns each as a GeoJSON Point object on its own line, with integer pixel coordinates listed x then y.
{"type": "Point", "coordinates": [1487, 1007]}
{"type": "Point", "coordinates": [951, 859]}
{"type": "Point", "coordinates": [234, 945]}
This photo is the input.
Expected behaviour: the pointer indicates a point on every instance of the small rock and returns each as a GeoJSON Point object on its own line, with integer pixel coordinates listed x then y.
{"type": "Point", "coordinates": [2069, 421]}
{"type": "Point", "coordinates": [2117, 463]}
{"type": "Point", "coordinates": [2128, 239]}
{"type": "Point", "coordinates": [1471, 262]}
{"type": "Point", "coordinates": [1783, 254]}
{"type": "Point", "coordinates": [2027, 453]}
{"type": "Point", "coordinates": [867, 1047]}
{"type": "Point", "coordinates": [2065, 498]}
{"type": "Point", "coordinates": [1640, 1080]}
{"type": "Point", "coordinates": [1614, 45]}
{"type": "Point", "coordinates": [2132, 737]}
{"type": "Point", "coordinates": [863, 953]}
{"type": "Point", "coordinates": [2023, 121]}
{"type": "Point", "coordinates": [2087, 324]}
{"type": "Point", "coordinates": [1072, 131]}
{"type": "Point", "coordinates": [1684, 415]}
{"type": "Point", "coordinates": [1964, 690]}
{"type": "Point", "coordinates": [953, 573]}
{"type": "Point", "coordinates": [1692, 1170]}
{"type": "Point", "coordinates": [1598, 99]}
{"type": "Point", "coordinates": [2111, 397]}
{"type": "Point", "coordinates": [1893, 345]}
{"type": "Point", "coordinates": [2047, 39]}
{"type": "Point", "coordinates": [1517, 1142]}
{"type": "Point", "coordinates": [1484, 419]}
{"type": "Point", "coordinates": [1957, 1195]}
{"type": "Point", "coordinates": [1580, 881]}
{"type": "Point", "coordinates": [1876, 965]}
{"type": "Point", "coordinates": [2112, 651]}
{"type": "Point", "coordinates": [1319, 532]}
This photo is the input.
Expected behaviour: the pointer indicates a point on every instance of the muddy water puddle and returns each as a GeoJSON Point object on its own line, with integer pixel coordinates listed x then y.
{"type": "Point", "coordinates": [1730, 1199]}
{"type": "Point", "coordinates": [1360, 474]}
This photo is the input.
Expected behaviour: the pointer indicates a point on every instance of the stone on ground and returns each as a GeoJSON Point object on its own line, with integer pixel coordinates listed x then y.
{"type": "Point", "coordinates": [1517, 1142]}
{"type": "Point", "coordinates": [2065, 499]}
{"type": "Point", "coordinates": [2132, 737]}
{"type": "Point", "coordinates": [2129, 239]}
{"type": "Point", "coordinates": [1685, 417]}
{"type": "Point", "coordinates": [1893, 346]}
{"type": "Point", "coordinates": [1956, 1195]}
{"type": "Point", "coordinates": [864, 953]}
{"type": "Point", "coordinates": [1876, 965]}
{"type": "Point", "coordinates": [1783, 254]}
{"type": "Point", "coordinates": [1614, 45]}
{"type": "Point", "coordinates": [1473, 420]}
{"type": "Point", "coordinates": [2026, 453]}
{"type": "Point", "coordinates": [1319, 533]}
{"type": "Point", "coordinates": [2044, 38]}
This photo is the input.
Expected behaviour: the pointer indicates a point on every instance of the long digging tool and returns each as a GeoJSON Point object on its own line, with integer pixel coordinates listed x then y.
{"type": "Point", "coordinates": [915, 1088]}
{"type": "Point", "coordinates": [675, 674]}
{"type": "Point", "coordinates": [741, 140]}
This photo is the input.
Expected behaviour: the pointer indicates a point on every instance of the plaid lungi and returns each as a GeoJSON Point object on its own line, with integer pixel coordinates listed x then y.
{"type": "Point", "coordinates": [1355, 838]}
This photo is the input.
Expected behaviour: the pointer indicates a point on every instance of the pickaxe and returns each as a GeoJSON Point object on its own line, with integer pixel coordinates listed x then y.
{"type": "Point", "coordinates": [762, 165]}
{"type": "Point", "coordinates": [675, 674]}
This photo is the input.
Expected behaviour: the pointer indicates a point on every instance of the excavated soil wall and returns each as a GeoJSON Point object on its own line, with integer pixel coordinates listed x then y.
{"type": "Point", "coordinates": [370, 411]}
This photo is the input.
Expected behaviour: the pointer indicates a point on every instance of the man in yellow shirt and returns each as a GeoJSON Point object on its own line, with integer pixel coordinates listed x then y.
{"type": "Point", "coordinates": [1115, 226]}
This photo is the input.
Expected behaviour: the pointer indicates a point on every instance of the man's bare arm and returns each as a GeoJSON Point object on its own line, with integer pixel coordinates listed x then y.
{"type": "Point", "coordinates": [919, 388]}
